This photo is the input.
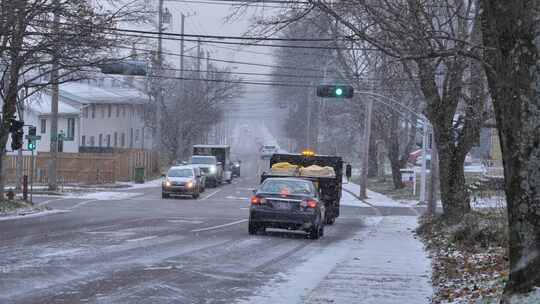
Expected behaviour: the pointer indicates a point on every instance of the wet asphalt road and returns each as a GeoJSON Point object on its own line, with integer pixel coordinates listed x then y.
{"type": "Point", "coordinates": [145, 249]}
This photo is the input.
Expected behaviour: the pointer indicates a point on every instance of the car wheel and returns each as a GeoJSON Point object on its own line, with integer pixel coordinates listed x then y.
{"type": "Point", "coordinates": [164, 195]}
{"type": "Point", "coordinates": [253, 228]}
{"type": "Point", "coordinates": [315, 233]}
{"type": "Point", "coordinates": [321, 231]}
{"type": "Point", "coordinates": [195, 195]}
{"type": "Point", "coordinates": [330, 220]}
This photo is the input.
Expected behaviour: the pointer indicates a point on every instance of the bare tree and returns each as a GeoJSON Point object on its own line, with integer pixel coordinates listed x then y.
{"type": "Point", "coordinates": [29, 44]}
{"type": "Point", "coordinates": [510, 35]}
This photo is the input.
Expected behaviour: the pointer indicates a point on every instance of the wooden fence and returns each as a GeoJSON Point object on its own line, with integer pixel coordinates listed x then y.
{"type": "Point", "coordinates": [87, 168]}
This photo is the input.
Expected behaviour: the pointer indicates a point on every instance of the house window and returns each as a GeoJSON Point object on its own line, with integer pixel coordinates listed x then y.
{"type": "Point", "coordinates": [100, 140]}
{"type": "Point", "coordinates": [131, 138]}
{"type": "Point", "coordinates": [123, 140]}
{"type": "Point", "coordinates": [43, 126]}
{"type": "Point", "coordinates": [85, 112]}
{"type": "Point", "coordinates": [93, 111]}
{"type": "Point", "coordinates": [137, 135]}
{"type": "Point", "coordinates": [115, 139]}
{"type": "Point", "coordinates": [102, 111]}
{"type": "Point", "coordinates": [117, 111]}
{"type": "Point", "coordinates": [83, 141]}
{"type": "Point", "coordinates": [109, 110]}
{"type": "Point", "coordinates": [70, 128]}
{"type": "Point", "coordinates": [92, 141]}
{"type": "Point", "coordinates": [108, 140]}
{"type": "Point", "coordinates": [123, 111]}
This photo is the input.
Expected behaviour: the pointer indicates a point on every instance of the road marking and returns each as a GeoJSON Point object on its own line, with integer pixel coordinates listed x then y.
{"type": "Point", "coordinates": [239, 198]}
{"type": "Point", "coordinates": [50, 201]}
{"type": "Point", "coordinates": [142, 238]}
{"type": "Point", "coordinates": [83, 203]}
{"type": "Point", "coordinates": [212, 194]}
{"type": "Point", "coordinates": [219, 226]}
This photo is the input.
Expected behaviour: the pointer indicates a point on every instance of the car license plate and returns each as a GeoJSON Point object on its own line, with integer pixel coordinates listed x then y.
{"type": "Point", "coordinates": [280, 205]}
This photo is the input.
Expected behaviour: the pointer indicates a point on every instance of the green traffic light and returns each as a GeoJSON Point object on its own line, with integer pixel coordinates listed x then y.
{"type": "Point", "coordinates": [339, 91]}
{"type": "Point", "coordinates": [31, 146]}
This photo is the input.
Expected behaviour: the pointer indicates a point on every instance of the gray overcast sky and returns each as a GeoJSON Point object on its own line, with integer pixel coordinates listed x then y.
{"type": "Point", "coordinates": [209, 19]}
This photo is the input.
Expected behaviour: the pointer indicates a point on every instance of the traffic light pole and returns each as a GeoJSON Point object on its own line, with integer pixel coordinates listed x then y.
{"type": "Point", "coordinates": [54, 112]}
{"type": "Point", "coordinates": [365, 150]}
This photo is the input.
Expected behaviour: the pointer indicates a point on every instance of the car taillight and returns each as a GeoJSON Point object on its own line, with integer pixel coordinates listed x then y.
{"type": "Point", "coordinates": [255, 200]}
{"type": "Point", "coordinates": [309, 203]}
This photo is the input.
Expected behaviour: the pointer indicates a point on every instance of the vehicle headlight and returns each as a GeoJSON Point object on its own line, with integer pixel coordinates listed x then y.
{"type": "Point", "coordinates": [237, 165]}
{"type": "Point", "coordinates": [167, 183]}
{"type": "Point", "coordinates": [213, 169]}
{"type": "Point", "coordinates": [189, 184]}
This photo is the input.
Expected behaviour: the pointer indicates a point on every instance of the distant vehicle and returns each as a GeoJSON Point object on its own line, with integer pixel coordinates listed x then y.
{"type": "Point", "coordinates": [282, 105]}
{"type": "Point", "coordinates": [222, 154]}
{"type": "Point", "coordinates": [181, 180]}
{"type": "Point", "coordinates": [287, 203]}
{"type": "Point", "coordinates": [268, 150]}
{"type": "Point", "coordinates": [235, 168]}
{"type": "Point", "coordinates": [210, 167]}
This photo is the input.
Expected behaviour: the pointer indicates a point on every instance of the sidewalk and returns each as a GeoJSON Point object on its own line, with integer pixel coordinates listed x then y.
{"type": "Point", "coordinates": [388, 267]}
{"type": "Point", "coordinates": [381, 264]}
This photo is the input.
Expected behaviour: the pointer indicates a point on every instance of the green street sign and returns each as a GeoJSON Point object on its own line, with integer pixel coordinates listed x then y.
{"type": "Point", "coordinates": [33, 137]}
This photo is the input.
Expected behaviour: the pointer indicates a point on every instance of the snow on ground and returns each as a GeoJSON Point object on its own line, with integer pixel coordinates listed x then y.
{"type": "Point", "coordinates": [149, 184]}
{"type": "Point", "coordinates": [107, 195]}
{"type": "Point", "coordinates": [375, 199]}
{"type": "Point", "coordinates": [488, 202]}
{"type": "Point", "coordinates": [382, 264]}
{"type": "Point", "coordinates": [37, 214]}
{"type": "Point", "coordinates": [388, 267]}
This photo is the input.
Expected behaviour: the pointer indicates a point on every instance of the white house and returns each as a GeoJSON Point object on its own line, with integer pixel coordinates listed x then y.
{"type": "Point", "coordinates": [97, 113]}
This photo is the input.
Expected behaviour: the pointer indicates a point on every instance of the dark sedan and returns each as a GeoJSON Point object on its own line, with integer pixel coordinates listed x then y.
{"type": "Point", "coordinates": [287, 203]}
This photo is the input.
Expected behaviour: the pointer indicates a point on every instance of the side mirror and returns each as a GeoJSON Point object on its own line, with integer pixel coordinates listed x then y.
{"type": "Point", "coordinates": [254, 191]}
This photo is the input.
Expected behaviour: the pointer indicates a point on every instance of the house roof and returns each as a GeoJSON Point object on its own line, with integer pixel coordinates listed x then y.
{"type": "Point", "coordinates": [42, 105]}
{"type": "Point", "coordinates": [89, 94]}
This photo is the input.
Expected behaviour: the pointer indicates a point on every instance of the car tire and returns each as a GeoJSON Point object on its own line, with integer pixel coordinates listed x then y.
{"type": "Point", "coordinates": [252, 228]}
{"type": "Point", "coordinates": [164, 195]}
{"type": "Point", "coordinates": [330, 220]}
{"type": "Point", "coordinates": [195, 195]}
{"type": "Point", "coordinates": [315, 233]}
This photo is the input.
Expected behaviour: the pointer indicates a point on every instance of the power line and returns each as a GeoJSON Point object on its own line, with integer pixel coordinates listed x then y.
{"type": "Point", "coordinates": [263, 4]}
{"type": "Point", "coordinates": [214, 36]}
{"type": "Point", "coordinates": [228, 61]}
{"type": "Point", "coordinates": [231, 42]}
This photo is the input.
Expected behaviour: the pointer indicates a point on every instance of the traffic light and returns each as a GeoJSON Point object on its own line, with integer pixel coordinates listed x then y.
{"type": "Point", "coordinates": [16, 129]}
{"type": "Point", "coordinates": [125, 67]}
{"type": "Point", "coordinates": [31, 141]}
{"type": "Point", "coordinates": [335, 91]}
{"type": "Point", "coordinates": [17, 140]}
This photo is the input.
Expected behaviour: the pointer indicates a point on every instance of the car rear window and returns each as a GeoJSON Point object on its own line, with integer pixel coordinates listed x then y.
{"type": "Point", "coordinates": [269, 147]}
{"type": "Point", "coordinates": [287, 187]}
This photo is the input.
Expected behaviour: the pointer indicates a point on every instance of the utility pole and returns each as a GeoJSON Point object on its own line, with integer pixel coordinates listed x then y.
{"type": "Point", "coordinates": [53, 185]}
{"type": "Point", "coordinates": [182, 24]}
{"type": "Point", "coordinates": [365, 150]}
{"type": "Point", "coordinates": [424, 162]}
{"type": "Point", "coordinates": [19, 173]}
{"type": "Point", "coordinates": [160, 66]}
{"type": "Point", "coordinates": [199, 57]}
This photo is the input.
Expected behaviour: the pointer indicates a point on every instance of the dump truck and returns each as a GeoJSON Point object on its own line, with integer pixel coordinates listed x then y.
{"type": "Point", "coordinates": [328, 179]}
